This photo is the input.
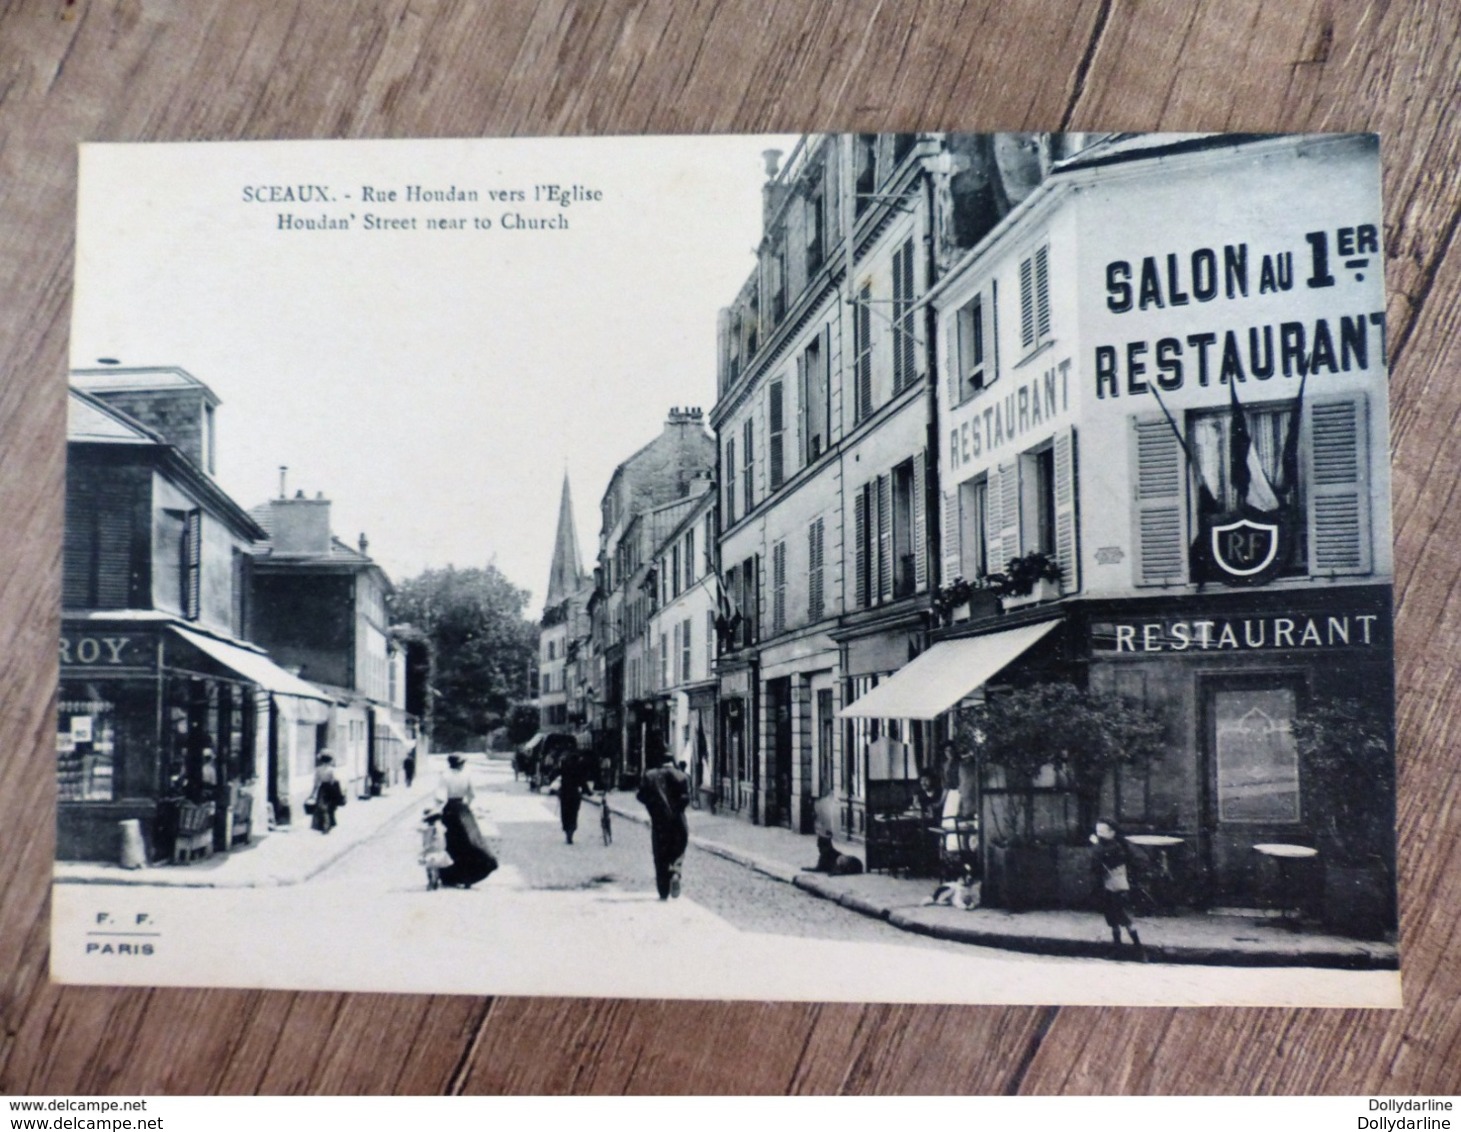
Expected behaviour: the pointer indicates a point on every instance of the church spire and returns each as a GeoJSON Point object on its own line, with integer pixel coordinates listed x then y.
{"type": "Point", "coordinates": [566, 573]}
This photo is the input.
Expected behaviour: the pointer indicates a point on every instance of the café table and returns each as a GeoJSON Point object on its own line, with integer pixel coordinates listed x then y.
{"type": "Point", "coordinates": [1162, 845]}
{"type": "Point", "coordinates": [1285, 856]}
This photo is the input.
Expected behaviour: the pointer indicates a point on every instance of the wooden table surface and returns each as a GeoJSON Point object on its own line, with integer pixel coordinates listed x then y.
{"type": "Point", "coordinates": [134, 70]}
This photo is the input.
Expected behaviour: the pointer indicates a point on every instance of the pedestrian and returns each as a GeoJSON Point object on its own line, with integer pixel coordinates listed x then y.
{"type": "Point", "coordinates": [665, 793]}
{"type": "Point", "coordinates": [471, 860]}
{"type": "Point", "coordinates": [1111, 866]}
{"type": "Point", "coordinates": [570, 793]}
{"type": "Point", "coordinates": [408, 767]}
{"type": "Point", "coordinates": [328, 795]}
{"type": "Point", "coordinates": [433, 856]}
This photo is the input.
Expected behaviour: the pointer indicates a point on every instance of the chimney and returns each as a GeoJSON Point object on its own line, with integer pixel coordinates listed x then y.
{"type": "Point", "coordinates": [773, 193]}
{"type": "Point", "coordinates": [364, 544]}
{"type": "Point", "coordinates": [300, 525]}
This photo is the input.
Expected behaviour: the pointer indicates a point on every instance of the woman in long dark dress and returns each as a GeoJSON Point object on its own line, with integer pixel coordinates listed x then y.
{"type": "Point", "coordinates": [570, 794]}
{"type": "Point", "coordinates": [471, 860]}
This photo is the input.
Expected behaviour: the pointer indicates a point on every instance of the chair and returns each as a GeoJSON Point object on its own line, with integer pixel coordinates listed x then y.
{"type": "Point", "coordinates": [195, 832]}
{"type": "Point", "coordinates": [243, 813]}
{"type": "Point", "coordinates": [953, 836]}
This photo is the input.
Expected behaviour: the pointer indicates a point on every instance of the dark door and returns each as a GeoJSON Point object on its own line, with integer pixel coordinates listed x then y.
{"type": "Point", "coordinates": [779, 807]}
{"type": "Point", "coordinates": [1251, 786]}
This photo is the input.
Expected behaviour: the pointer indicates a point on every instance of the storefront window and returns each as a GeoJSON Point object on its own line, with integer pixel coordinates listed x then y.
{"type": "Point", "coordinates": [104, 740]}
{"type": "Point", "coordinates": [1257, 760]}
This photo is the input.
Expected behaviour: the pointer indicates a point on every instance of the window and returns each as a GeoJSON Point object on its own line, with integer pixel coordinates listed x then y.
{"type": "Point", "coordinates": [778, 587]}
{"type": "Point", "coordinates": [673, 570]}
{"type": "Point", "coordinates": [1256, 759]}
{"type": "Point", "coordinates": [688, 558]}
{"type": "Point", "coordinates": [862, 350]}
{"type": "Point", "coordinates": [664, 659]}
{"type": "Point", "coordinates": [903, 506]}
{"type": "Point", "coordinates": [1037, 500]}
{"type": "Point", "coordinates": [748, 469]}
{"type": "Point", "coordinates": [750, 600]}
{"type": "Point", "coordinates": [1035, 299]}
{"type": "Point", "coordinates": [865, 168]}
{"type": "Point", "coordinates": [862, 567]}
{"type": "Point", "coordinates": [730, 481]}
{"type": "Point", "coordinates": [776, 277]}
{"type": "Point", "coordinates": [973, 518]}
{"type": "Point", "coordinates": [974, 338]}
{"type": "Point", "coordinates": [812, 375]}
{"type": "Point", "coordinates": [709, 641]}
{"type": "Point", "coordinates": [98, 548]}
{"type": "Point", "coordinates": [815, 223]}
{"type": "Point", "coordinates": [776, 418]}
{"type": "Point", "coordinates": [905, 370]}
{"type": "Point", "coordinates": [816, 598]}
{"type": "Point", "coordinates": [1030, 505]}
{"type": "Point", "coordinates": [685, 651]}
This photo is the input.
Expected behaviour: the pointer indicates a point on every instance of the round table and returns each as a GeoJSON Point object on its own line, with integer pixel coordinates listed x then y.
{"type": "Point", "coordinates": [1163, 844]}
{"type": "Point", "coordinates": [1285, 855]}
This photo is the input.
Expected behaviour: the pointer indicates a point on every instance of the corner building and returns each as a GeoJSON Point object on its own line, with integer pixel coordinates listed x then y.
{"type": "Point", "coordinates": [1103, 353]}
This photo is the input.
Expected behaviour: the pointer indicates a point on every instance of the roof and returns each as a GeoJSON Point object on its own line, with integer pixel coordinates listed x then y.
{"type": "Point", "coordinates": [92, 421]}
{"type": "Point", "coordinates": [139, 379]}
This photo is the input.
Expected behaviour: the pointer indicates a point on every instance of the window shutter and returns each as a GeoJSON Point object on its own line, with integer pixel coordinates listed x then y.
{"type": "Point", "coordinates": [910, 361]}
{"type": "Point", "coordinates": [1161, 515]}
{"type": "Point", "coordinates": [862, 317]}
{"type": "Point", "coordinates": [994, 521]}
{"type": "Point", "coordinates": [1042, 293]}
{"type": "Point", "coordinates": [1339, 513]}
{"type": "Point", "coordinates": [814, 571]}
{"type": "Point", "coordinates": [1067, 528]}
{"type": "Point", "coordinates": [803, 411]}
{"type": "Point", "coordinates": [885, 538]}
{"type": "Point", "coordinates": [1009, 516]}
{"type": "Point", "coordinates": [860, 572]}
{"type": "Point", "coordinates": [955, 348]}
{"type": "Point", "coordinates": [748, 467]}
{"type": "Point", "coordinates": [1027, 304]}
{"type": "Point", "coordinates": [79, 551]}
{"type": "Point", "coordinates": [193, 575]}
{"type": "Point", "coordinates": [952, 544]}
{"type": "Point", "coordinates": [778, 587]}
{"type": "Point", "coordinates": [776, 412]}
{"type": "Point", "coordinates": [920, 523]}
{"type": "Point", "coordinates": [730, 480]}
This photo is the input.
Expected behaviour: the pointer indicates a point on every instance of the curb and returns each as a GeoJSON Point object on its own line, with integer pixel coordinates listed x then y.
{"type": "Point", "coordinates": [814, 884]}
{"type": "Point", "coordinates": [144, 877]}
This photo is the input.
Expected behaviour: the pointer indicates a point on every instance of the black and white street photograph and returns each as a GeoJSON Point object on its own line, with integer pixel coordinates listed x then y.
{"type": "Point", "coordinates": [920, 567]}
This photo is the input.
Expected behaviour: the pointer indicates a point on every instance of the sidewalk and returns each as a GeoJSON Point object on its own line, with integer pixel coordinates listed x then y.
{"type": "Point", "coordinates": [282, 856]}
{"type": "Point", "coordinates": [1190, 938]}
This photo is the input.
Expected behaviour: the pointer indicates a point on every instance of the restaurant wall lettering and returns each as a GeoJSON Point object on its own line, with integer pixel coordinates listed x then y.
{"type": "Point", "coordinates": [1240, 634]}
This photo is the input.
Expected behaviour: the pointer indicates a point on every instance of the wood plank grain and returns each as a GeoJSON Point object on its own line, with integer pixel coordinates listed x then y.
{"type": "Point", "coordinates": [180, 70]}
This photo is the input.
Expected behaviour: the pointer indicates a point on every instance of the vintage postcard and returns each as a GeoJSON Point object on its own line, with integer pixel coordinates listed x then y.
{"type": "Point", "coordinates": [924, 567]}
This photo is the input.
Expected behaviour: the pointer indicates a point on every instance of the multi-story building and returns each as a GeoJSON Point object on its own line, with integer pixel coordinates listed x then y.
{"type": "Point", "coordinates": [1165, 374]}
{"type": "Point", "coordinates": [671, 467]}
{"type": "Point", "coordinates": [319, 606]}
{"type": "Point", "coordinates": [684, 594]}
{"type": "Point", "coordinates": [824, 420]}
{"type": "Point", "coordinates": [165, 705]}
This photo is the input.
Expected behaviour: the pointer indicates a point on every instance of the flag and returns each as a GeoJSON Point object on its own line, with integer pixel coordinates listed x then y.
{"type": "Point", "coordinates": [1250, 482]}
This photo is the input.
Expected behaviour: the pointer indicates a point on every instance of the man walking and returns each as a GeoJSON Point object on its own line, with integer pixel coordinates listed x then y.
{"type": "Point", "coordinates": [665, 792]}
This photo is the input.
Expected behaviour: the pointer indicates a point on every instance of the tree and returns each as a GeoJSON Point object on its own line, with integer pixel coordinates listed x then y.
{"type": "Point", "coordinates": [1081, 735]}
{"type": "Point", "coordinates": [484, 647]}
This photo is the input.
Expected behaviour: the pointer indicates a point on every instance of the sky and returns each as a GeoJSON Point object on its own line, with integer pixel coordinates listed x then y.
{"type": "Point", "coordinates": [434, 382]}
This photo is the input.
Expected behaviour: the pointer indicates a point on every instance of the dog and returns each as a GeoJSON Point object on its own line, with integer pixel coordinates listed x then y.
{"type": "Point", "coordinates": [833, 863]}
{"type": "Point", "coordinates": [962, 892]}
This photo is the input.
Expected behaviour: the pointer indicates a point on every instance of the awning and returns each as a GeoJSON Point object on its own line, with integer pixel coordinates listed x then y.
{"type": "Point", "coordinates": [935, 681]}
{"type": "Point", "coordinates": [253, 666]}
